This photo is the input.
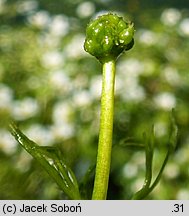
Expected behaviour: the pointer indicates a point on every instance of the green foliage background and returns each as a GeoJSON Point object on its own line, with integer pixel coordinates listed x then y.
{"type": "Point", "coordinates": [51, 87]}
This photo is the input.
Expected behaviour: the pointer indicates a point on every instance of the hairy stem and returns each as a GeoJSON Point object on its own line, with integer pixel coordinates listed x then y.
{"type": "Point", "coordinates": [105, 135]}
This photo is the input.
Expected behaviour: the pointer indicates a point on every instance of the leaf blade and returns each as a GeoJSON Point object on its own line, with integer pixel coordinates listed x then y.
{"type": "Point", "coordinates": [51, 161]}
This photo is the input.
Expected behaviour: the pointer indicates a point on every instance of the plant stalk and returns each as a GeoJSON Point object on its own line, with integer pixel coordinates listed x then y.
{"type": "Point", "coordinates": [106, 130]}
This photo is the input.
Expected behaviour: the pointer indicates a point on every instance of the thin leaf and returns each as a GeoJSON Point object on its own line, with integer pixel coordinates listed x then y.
{"type": "Point", "coordinates": [51, 160]}
{"type": "Point", "coordinates": [146, 189]}
{"type": "Point", "coordinates": [149, 150]}
{"type": "Point", "coordinates": [171, 147]}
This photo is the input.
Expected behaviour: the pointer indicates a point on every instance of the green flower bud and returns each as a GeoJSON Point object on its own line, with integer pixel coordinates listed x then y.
{"type": "Point", "coordinates": [108, 36]}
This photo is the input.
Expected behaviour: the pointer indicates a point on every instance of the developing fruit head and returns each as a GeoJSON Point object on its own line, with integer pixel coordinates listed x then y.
{"type": "Point", "coordinates": [108, 36]}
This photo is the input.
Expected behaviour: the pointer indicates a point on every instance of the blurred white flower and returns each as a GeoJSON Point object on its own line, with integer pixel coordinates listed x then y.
{"type": "Point", "coordinates": [130, 67]}
{"type": "Point", "coordinates": [147, 37]}
{"type": "Point", "coordinates": [63, 127]}
{"type": "Point", "coordinates": [6, 97]}
{"type": "Point", "coordinates": [183, 194]}
{"type": "Point", "coordinates": [181, 156]}
{"type": "Point", "coordinates": [85, 9]}
{"type": "Point", "coordinates": [27, 6]}
{"type": "Point", "coordinates": [62, 112]}
{"type": "Point", "coordinates": [133, 169]}
{"type": "Point", "coordinates": [171, 75]}
{"type": "Point", "coordinates": [118, 84]}
{"type": "Point", "coordinates": [184, 27]}
{"type": "Point", "coordinates": [59, 25]}
{"type": "Point", "coordinates": [7, 144]}
{"type": "Point", "coordinates": [75, 47]}
{"type": "Point", "coordinates": [63, 130]}
{"type": "Point", "coordinates": [52, 42]}
{"type": "Point", "coordinates": [52, 59]}
{"type": "Point", "coordinates": [128, 76]}
{"type": "Point", "coordinates": [82, 98]}
{"type": "Point", "coordinates": [39, 134]}
{"type": "Point", "coordinates": [171, 170]}
{"type": "Point", "coordinates": [26, 108]}
{"type": "Point", "coordinates": [24, 161]}
{"type": "Point", "coordinates": [132, 91]}
{"type": "Point", "coordinates": [165, 100]}
{"type": "Point", "coordinates": [40, 19]}
{"type": "Point", "coordinates": [130, 170]}
{"type": "Point", "coordinates": [96, 86]}
{"type": "Point", "coordinates": [170, 16]}
{"type": "Point", "coordinates": [60, 81]}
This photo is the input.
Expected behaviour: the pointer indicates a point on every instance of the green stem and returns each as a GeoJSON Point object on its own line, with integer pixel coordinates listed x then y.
{"type": "Point", "coordinates": [106, 129]}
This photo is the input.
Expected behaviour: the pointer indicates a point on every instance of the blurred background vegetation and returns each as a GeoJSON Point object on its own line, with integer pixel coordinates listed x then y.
{"type": "Point", "coordinates": [51, 87]}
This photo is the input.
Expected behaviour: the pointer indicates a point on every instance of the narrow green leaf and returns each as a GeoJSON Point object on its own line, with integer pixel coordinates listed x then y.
{"type": "Point", "coordinates": [148, 187]}
{"type": "Point", "coordinates": [52, 161]}
{"type": "Point", "coordinates": [171, 147]}
{"type": "Point", "coordinates": [149, 150]}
